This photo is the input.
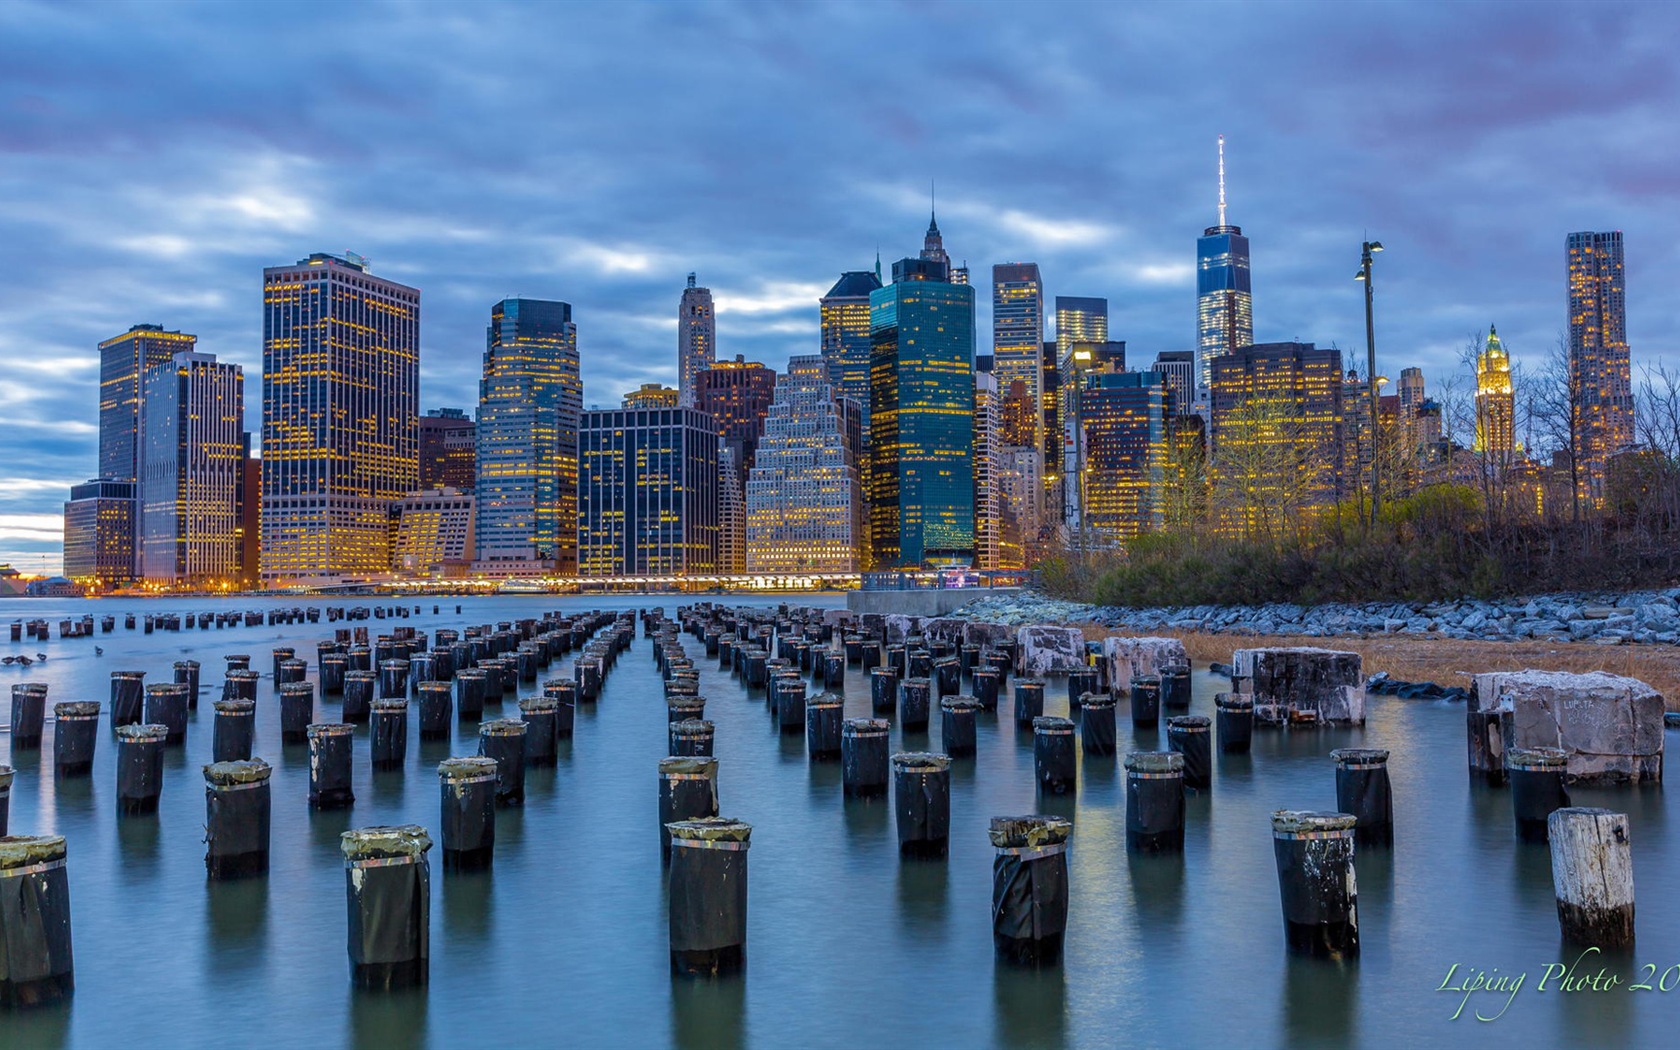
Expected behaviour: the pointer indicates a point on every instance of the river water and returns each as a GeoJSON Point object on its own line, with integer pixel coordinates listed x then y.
{"type": "Point", "coordinates": [566, 941]}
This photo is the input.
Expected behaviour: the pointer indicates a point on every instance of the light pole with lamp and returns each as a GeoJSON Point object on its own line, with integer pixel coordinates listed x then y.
{"type": "Point", "coordinates": [1369, 249]}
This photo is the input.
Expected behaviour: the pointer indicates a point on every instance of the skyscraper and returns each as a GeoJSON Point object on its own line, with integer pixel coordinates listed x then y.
{"type": "Point", "coordinates": [529, 402]}
{"type": "Point", "coordinates": [1124, 418]}
{"type": "Point", "coordinates": [99, 533]}
{"type": "Point", "coordinates": [1224, 300]}
{"type": "Point", "coordinates": [732, 512]}
{"type": "Point", "coordinates": [192, 417]}
{"type": "Point", "coordinates": [921, 484]}
{"type": "Point", "coordinates": [341, 392]}
{"type": "Point", "coordinates": [123, 362]}
{"type": "Point", "coordinates": [737, 395]}
{"type": "Point", "coordinates": [648, 492]}
{"type": "Point", "coordinates": [804, 497]}
{"type": "Point", "coordinates": [989, 531]}
{"type": "Point", "coordinates": [1495, 409]}
{"type": "Point", "coordinates": [1599, 362]}
{"type": "Point", "coordinates": [433, 531]}
{"type": "Point", "coordinates": [1018, 327]}
{"type": "Point", "coordinates": [1079, 319]}
{"type": "Point", "coordinates": [448, 450]}
{"type": "Point", "coordinates": [651, 395]}
{"type": "Point", "coordinates": [696, 338]}
{"type": "Point", "coordinates": [1411, 392]}
{"type": "Point", "coordinates": [845, 333]}
{"type": "Point", "coordinates": [1179, 368]}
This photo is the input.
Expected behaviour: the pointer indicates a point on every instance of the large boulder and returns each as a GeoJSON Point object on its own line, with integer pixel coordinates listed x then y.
{"type": "Point", "coordinates": [1303, 681]}
{"type": "Point", "coordinates": [986, 635]}
{"type": "Point", "coordinates": [1049, 650]}
{"type": "Point", "coordinates": [898, 627]}
{"type": "Point", "coordinates": [1610, 727]}
{"type": "Point", "coordinates": [1128, 658]}
{"type": "Point", "coordinates": [944, 629]}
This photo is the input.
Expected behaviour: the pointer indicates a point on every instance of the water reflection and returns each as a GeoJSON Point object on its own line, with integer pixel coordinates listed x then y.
{"type": "Point", "coordinates": [1029, 1006]}
{"type": "Point", "coordinates": [1157, 881]}
{"type": "Point", "coordinates": [868, 820]}
{"type": "Point", "coordinates": [236, 918]}
{"type": "Point", "coordinates": [389, 1020]}
{"type": "Point", "coordinates": [1320, 1001]}
{"type": "Point", "coordinates": [709, 1015]}
{"type": "Point", "coordinates": [468, 906]}
{"type": "Point", "coordinates": [38, 1028]}
{"type": "Point", "coordinates": [1598, 1018]}
{"type": "Point", "coordinates": [922, 889]}
{"type": "Point", "coordinates": [137, 840]}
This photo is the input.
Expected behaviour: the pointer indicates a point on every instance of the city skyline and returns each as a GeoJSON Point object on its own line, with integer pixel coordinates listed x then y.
{"type": "Point", "coordinates": [1471, 201]}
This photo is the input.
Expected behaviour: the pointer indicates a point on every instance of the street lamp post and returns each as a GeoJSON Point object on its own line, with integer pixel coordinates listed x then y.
{"type": "Point", "coordinates": [1368, 249]}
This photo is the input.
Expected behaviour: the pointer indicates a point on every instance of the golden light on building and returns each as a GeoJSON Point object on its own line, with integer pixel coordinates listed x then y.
{"type": "Point", "coordinates": [1495, 401]}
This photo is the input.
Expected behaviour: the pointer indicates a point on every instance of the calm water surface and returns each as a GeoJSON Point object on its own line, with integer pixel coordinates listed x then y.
{"type": "Point", "coordinates": [566, 941]}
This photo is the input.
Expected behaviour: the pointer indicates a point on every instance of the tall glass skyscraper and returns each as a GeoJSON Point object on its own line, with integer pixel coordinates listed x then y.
{"type": "Point", "coordinates": [529, 403]}
{"type": "Point", "coordinates": [648, 492]}
{"type": "Point", "coordinates": [1079, 319]}
{"type": "Point", "coordinates": [192, 421]}
{"type": "Point", "coordinates": [341, 409]}
{"type": "Point", "coordinates": [1599, 359]}
{"type": "Point", "coordinates": [804, 503]}
{"type": "Point", "coordinates": [1124, 418]}
{"type": "Point", "coordinates": [1224, 298]}
{"type": "Point", "coordinates": [696, 339]}
{"type": "Point", "coordinates": [123, 362]}
{"type": "Point", "coordinates": [99, 533]}
{"type": "Point", "coordinates": [845, 334]}
{"type": "Point", "coordinates": [921, 376]}
{"type": "Point", "coordinates": [1018, 328]}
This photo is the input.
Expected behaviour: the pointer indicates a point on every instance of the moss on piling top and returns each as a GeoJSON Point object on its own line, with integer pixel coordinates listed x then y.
{"type": "Point", "coordinates": [539, 705]}
{"type": "Point", "coordinates": [389, 703]}
{"type": "Point", "coordinates": [401, 840]}
{"type": "Point", "coordinates": [1300, 821]}
{"type": "Point", "coordinates": [703, 765]}
{"type": "Point", "coordinates": [921, 761]}
{"type": "Point", "coordinates": [1193, 723]}
{"type": "Point", "coordinates": [145, 732]}
{"type": "Point", "coordinates": [710, 829]}
{"type": "Point", "coordinates": [234, 707]}
{"type": "Point", "coordinates": [502, 727]}
{"type": "Point", "coordinates": [315, 729]}
{"type": "Point", "coordinates": [692, 727]}
{"type": "Point", "coordinates": [1155, 761]}
{"type": "Point", "coordinates": [247, 771]}
{"type": "Point", "coordinates": [466, 767]}
{"type": "Point", "coordinates": [1028, 832]}
{"type": "Point", "coordinates": [825, 700]}
{"type": "Point", "coordinates": [1367, 754]}
{"type": "Point", "coordinates": [1052, 724]}
{"type": "Point", "coordinates": [76, 709]}
{"type": "Point", "coordinates": [19, 851]}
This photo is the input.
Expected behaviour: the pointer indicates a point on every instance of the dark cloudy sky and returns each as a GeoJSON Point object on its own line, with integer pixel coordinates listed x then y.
{"type": "Point", "coordinates": [153, 158]}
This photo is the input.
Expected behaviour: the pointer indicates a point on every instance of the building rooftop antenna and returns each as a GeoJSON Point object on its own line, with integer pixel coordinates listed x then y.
{"type": "Point", "coordinates": [1222, 180]}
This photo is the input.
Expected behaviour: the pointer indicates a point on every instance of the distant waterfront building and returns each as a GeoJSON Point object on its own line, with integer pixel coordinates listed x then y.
{"type": "Point", "coordinates": [192, 453]}
{"type": "Point", "coordinates": [1277, 450]}
{"type": "Point", "coordinates": [989, 530]}
{"type": "Point", "coordinates": [448, 450]}
{"type": "Point", "coordinates": [1495, 408]}
{"type": "Point", "coordinates": [732, 513]}
{"type": "Point", "coordinates": [1224, 296]}
{"type": "Point", "coordinates": [1599, 360]}
{"type": "Point", "coordinates": [1018, 327]}
{"type": "Point", "coordinates": [341, 392]}
{"type": "Point", "coordinates": [737, 395]}
{"type": "Point", "coordinates": [433, 531]}
{"type": "Point", "coordinates": [804, 497]}
{"type": "Point", "coordinates": [99, 533]}
{"type": "Point", "coordinates": [1179, 368]}
{"type": "Point", "coordinates": [529, 403]}
{"type": "Point", "coordinates": [696, 338]}
{"type": "Point", "coordinates": [123, 362]}
{"type": "Point", "coordinates": [651, 395]}
{"type": "Point", "coordinates": [921, 483]}
{"type": "Point", "coordinates": [1125, 419]}
{"type": "Point", "coordinates": [845, 333]}
{"type": "Point", "coordinates": [648, 486]}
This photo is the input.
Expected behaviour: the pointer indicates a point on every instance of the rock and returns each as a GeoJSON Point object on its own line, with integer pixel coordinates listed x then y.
{"type": "Point", "coordinates": [1046, 650]}
{"type": "Point", "coordinates": [986, 635]}
{"type": "Point", "coordinates": [1326, 682]}
{"type": "Point", "coordinates": [899, 627]}
{"type": "Point", "coordinates": [1130, 657]}
{"type": "Point", "coordinates": [1610, 727]}
{"type": "Point", "coordinates": [944, 628]}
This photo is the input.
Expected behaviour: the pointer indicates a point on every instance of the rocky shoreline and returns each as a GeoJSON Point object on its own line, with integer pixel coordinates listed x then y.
{"type": "Point", "coordinates": [1631, 618]}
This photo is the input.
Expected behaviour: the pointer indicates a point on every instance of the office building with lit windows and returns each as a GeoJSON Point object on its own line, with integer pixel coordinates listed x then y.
{"type": "Point", "coordinates": [1179, 368]}
{"type": "Point", "coordinates": [1083, 359]}
{"type": "Point", "coordinates": [845, 333]}
{"type": "Point", "coordinates": [737, 395]}
{"type": "Point", "coordinates": [1224, 299]}
{"type": "Point", "coordinates": [989, 532]}
{"type": "Point", "coordinates": [1079, 319]}
{"type": "Point", "coordinates": [921, 429]}
{"type": "Point", "coordinates": [1495, 401]}
{"type": "Point", "coordinates": [1599, 359]}
{"type": "Point", "coordinates": [529, 403]}
{"type": "Point", "coordinates": [432, 533]}
{"type": "Point", "coordinates": [192, 453]}
{"type": "Point", "coordinates": [1277, 449]}
{"type": "Point", "coordinates": [340, 437]}
{"type": "Point", "coordinates": [804, 499]}
{"type": "Point", "coordinates": [123, 363]}
{"type": "Point", "coordinates": [1018, 327]}
{"type": "Point", "coordinates": [696, 338]}
{"type": "Point", "coordinates": [1124, 419]}
{"type": "Point", "coordinates": [732, 513]}
{"type": "Point", "coordinates": [648, 493]}
{"type": "Point", "coordinates": [651, 395]}
{"type": "Point", "coordinates": [448, 450]}
{"type": "Point", "coordinates": [99, 533]}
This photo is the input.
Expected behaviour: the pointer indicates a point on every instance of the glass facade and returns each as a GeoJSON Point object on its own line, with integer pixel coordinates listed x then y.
{"type": "Point", "coordinates": [123, 361]}
{"type": "Point", "coordinates": [192, 455]}
{"type": "Point", "coordinates": [696, 339]}
{"type": "Point", "coordinates": [1018, 329]}
{"type": "Point", "coordinates": [1599, 359]}
{"type": "Point", "coordinates": [804, 498]}
{"type": "Point", "coordinates": [737, 395]}
{"type": "Point", "coordinates": [1124, 418]}
{"type": "Point", "coordinates": [1224, 299]}
{"type": "Point", "coordinates": [921, 439]}
{"type": "Point", "coordinates": [341, 392]}
{"type": "Point", "coordinates": [648, 493]}
{"type": "Point", "coordinates": [99, 531]}
{"type": "Point", "coordinates": [845, 334]}
{"type": "Point", "coordinates": [529, 403]}
{"type": "Point", "coordinates": [432, 533]}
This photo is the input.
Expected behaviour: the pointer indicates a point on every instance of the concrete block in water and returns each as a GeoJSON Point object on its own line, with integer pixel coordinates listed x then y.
{"type": "Point", "coordinates": [1324, 684]}
{"type": "Point", "coordinates": [1048, 650]}
{"type": "Point", "coordinates": [1130, 658]}
{"type": "Point", "coordinates": [1609, 727]}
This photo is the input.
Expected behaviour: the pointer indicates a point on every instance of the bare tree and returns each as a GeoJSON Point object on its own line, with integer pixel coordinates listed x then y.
{"type": "Point", "coordinates": [1556, 415]}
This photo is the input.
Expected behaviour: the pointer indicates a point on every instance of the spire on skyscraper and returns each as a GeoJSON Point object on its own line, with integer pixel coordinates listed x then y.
{"type": "Point", "coordinates": [1222, 180]}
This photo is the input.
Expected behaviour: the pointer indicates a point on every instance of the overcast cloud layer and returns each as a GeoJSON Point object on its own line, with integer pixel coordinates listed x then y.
{"type": "Point", "coordinates": [154, 158]}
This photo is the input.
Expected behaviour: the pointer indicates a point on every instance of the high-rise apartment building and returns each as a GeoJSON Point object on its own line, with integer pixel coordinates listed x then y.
{"type": "Point", "coordinates": [804, 496]}
{"type": "Point", "coordinates": [433, 531]}
{"type": "Point", "coordinates": [989, 531]}
{"type": "Point", "coordinates": [530, 400]}
{"type": "Point", "coordinates": [123, 363]}
{"type": "Point", "coordinates": [732, 513]}
{"type": "Point", "coordinates": [696, 339]}
{"type": "Point", "coordinates": [1411, 392]}
{"type": "Point", "coordinates": [737, 395]}
{"type": "Point", "coordinates": [1018, 327]}
{"type": "Point", "coordinates": [1179, 369]}
{"type": "Point", "coordinates": [1224, 298]}
{"type": "Point", "coordinates": [1125, 420]}
{"type": "Point", "coordinates": [1278, 449]}
{"type": "Point", "coordinates": [448, 450]}
{"type": "Point", "coordinates": [921, 483]}
{"type": "Point", "coordinates": [648, 487]}
{"type": "Point", "coordinates": [192, 453]}
{"type": "Point", "coordinates": [845, 333]}
{"type": "Point", "coordinates": [1599, 360]}
{"type": "Point", "coordinates": [341, 393]}
{"type": "Point", "coordinates": [99, 531]}
{"type": "Point", "coordinates": [1496, 417]}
